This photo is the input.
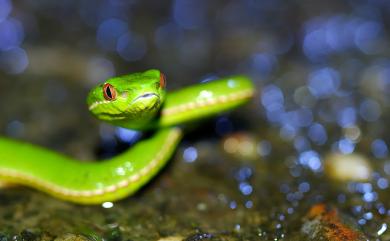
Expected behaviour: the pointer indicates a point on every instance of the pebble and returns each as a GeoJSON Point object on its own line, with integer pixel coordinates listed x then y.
{"type": "Point", "coordinates": [347, 167]}
{"type": "Point", "coordinates": [172, 238]}
{"type": "Point", "coordinates": [241, 145]}
{"type": "Point", "coordinates": [72, 237]}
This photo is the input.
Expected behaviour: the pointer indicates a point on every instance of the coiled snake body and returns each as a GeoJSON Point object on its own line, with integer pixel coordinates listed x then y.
{"type": "Point", "coordinates": [136, 101]}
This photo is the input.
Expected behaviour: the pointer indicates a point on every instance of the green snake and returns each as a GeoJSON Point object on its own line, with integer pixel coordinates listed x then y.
{"type": "Point", "coordinates": [137, 101]}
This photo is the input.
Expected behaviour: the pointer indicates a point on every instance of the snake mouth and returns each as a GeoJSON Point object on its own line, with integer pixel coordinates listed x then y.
{"type": "Point", "coordinates": [147, 96]}
{"type": "Point", "coordinates": [146, 102]}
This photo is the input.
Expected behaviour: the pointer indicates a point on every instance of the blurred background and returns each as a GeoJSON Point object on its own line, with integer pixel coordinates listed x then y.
{"type": "Point", "coordinates": [309, 154]}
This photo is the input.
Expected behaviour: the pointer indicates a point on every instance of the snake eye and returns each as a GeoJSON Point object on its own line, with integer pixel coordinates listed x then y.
{"type": "Point", "coordinates": [162, 80]}
{"type": "Point", "coordinates": [109, 92]}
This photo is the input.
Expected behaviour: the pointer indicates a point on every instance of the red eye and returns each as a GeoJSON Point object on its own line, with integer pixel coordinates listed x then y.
{"type": "Point", "coordinates": [162, 80]}
{"type": "Point", "coordinates": [109, 92]}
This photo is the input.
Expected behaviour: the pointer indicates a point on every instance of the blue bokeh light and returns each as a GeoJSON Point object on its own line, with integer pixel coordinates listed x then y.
{"type": "Point", "coordinates": [370, 196]}
{"type": "Point", "coordinates": [317, 134]}
{"type": "Point", "coordinates": [304, 187]}
{"type": "Point", "coordinates": [14, 60]}
{"type": "Point", "coordinates": [131, 47]}
{"type": "Point", "coordinates": [339, 32]}
{"type": "Point", "coordinates": [313, 45]}
{"type": "Point", "coordinates": [298, 118]}
{"type": "Point", "coordinates": [367, 35]}
{"type": "Point", "coordinates": [243, 174]}
{"type": "Point", "coordinates": [301, 143]}
{"type": "Point", "coordinates": [324, 82]}
{"type": "Point", "coordinates": [190, 154]}
{"type": "Point", "coordinates": [127, 135]}
{"type": "Point", "coordinates": [233, 205]}
{"type": "Point", "coordinates": [310, 159]}
{"type": "Point", "coordinates": [109, 31]}
{"type": "Point", "coordinates": [368, 215]}
{"type": "Point", "coordinates": [324, 36]}
{"type": "Point", "coordinates": [379, 148]}
{"type": "Point", "coordinates": [11, 33]}
{"type": "Point", "coordinates": [190, 14]}
{"type": "Point", "coordinates": [272, 98]}
{"type": "Point", "coordinates": [370, 110]}
{"type": "Point", "coordinates": [5, 9]}
{"type": "Point", "coordinates": [264, 63]}
{"type": "Point", "coordinates": [347, 117]}
{"type": "Point", "coordinates": [346, 146]}
{"type": "Point", "coordinates": [363, 187]}
{"type": "Point", "coordinates": [264, 148]}
{"type": "Point", "coordinates": [382, 183]}
{"type": "Point", "coordinates": [249, 204]}
{"type": "Point", "coordinates": [245, 188]}
{"type": "Point", "coordinates": [288, 132]}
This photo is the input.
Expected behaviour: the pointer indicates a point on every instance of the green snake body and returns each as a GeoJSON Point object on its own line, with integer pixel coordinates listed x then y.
{"type": "Point", "coordinates": [135, 101]}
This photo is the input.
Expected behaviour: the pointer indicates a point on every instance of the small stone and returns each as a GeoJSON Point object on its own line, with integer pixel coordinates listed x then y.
{"type": "Point", "coordinates": [71, 237]}
{"type": "Point", "coordinates": [241, 145]}
{"type": "Point", "coordinates": [347, 167]}
{"type": "Point", "coordinates": [172, 238]}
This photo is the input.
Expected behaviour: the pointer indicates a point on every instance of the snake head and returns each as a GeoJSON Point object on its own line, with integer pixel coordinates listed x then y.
{"type": "Point", "coordinates": [130, 101]}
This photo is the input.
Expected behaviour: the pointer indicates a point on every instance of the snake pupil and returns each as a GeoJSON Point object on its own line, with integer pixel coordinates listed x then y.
{"type": "Point", "coordinates": [109, 92]}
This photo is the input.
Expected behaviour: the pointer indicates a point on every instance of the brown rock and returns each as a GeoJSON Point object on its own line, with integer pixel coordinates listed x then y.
{"type": "Point", "coordinates": [325, 223]}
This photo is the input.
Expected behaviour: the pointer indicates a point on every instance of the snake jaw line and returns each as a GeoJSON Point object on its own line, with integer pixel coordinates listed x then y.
{"type": "Point", "coordinates": [98, 103]}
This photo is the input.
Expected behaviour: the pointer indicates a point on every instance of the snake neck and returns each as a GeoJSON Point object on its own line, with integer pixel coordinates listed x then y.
{"type": "Point", "coordinates": [204, 100]}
